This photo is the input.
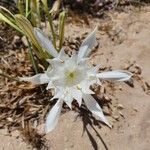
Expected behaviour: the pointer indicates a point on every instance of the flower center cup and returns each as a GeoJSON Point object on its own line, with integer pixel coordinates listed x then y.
{"type": "Point", "coordinates": [71, 74]}
{"type": "Point", "coordinates": [73, 77]}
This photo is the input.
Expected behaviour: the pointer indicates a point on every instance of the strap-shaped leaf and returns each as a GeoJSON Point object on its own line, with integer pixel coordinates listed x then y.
{"type": "Point", "coordinates": [25, 25]}
{"type": "Point", "coordinates": [27, 28]}
{"type": "Point", "coordinates": [62, 18]}
{"type": "Point", "coordinates": [8, 17]}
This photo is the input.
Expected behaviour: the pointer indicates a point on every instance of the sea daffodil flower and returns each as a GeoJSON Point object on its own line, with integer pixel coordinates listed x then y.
{"type": "Point", "coordinates": [71, 78]}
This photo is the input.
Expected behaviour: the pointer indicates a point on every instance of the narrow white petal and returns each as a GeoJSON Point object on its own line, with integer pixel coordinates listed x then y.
{"type": "Point", "coordinates": [71, 62]}
{"type": "Point", "coordinates": [68, 99]}
{"type": "Point", "coordinates": [40, 78]}
{"type": "Point", "coordinates": [77, 95]}
{"type": "Point", "coordinates": [50, 85]}
{"type": "Point", "coordinates": [87, 90]}
{"type": "Point", "coordinates": [65, 95]}
{"type": "Point", "coordinates": [62, 55]}
{"type": "Point", "coordinates": [83, 61]}
{"type": "Point", "coordinates": [94, 70]}
{"type": "Point", "coordinates": [58, 94]}
{"type": "Point", "coordinates": [69, 104]}
{"type": "Point", "coordinates": [119, 75]}
{"type": "Point", "coordinates": [94, 107]}
{"type": "Point", "coordinates": [85, 87]}
{"type": "Point", "coordinates": [87, 45]}
{"type": "Point", "coordinates": [45, 42]}
{"type": "Point", "coordinates": [53, 116]}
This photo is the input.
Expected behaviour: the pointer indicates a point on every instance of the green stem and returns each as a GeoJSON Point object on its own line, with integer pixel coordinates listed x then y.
{"type": "Point", "coordinates": [38, 13]}
{"type": "Point", "coordinates": [32, 58]}
{"type": "Point", "coordinates": [62, 18]}
{"type": "Point", "coordinates": [51, 25]}
{"type": "Point", "coordinates": [21, 7]}
{"type": "Point", "coordinates": [27, 8]}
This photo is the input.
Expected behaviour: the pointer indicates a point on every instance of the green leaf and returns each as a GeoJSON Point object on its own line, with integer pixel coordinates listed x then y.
{"type": "Point", "coordinates": [8, 17]}
{"type": "Point", "coordinates": [62, 18]}
{"type": "Point", "coordinates": [25, 25]}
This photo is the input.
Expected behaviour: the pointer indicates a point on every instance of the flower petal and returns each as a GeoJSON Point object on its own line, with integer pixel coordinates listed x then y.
{"type": "Point", "coordinates": [85, 86]}
{"type": "Point", "coordinates": [87, 45]}
{"type": "Point", "coordinates": [77, 95]}
{"type": "Point", "coordinates": [62, 55]}
{"type": "Point", "coordinates": [45, 42]}
{"type": "Point", "coordinates": [53, 116]}
{"type": "Point", "coordinates": [71, 62]}
{"type": "Point", "coordinates": [59, 94]}
{"type": "Point", "coordinates": [119, 75]}
{"type": "Point", "coordinates": [94, 107]}
{"type": "Point", "coordinates": [40, 78]}
{"type": "Point", "coordinates": [68, 99]}
{"type": "Point", "coordinates": [50, 85]}
{"type": "Point", "coordinates": [69, 104]}
{"type": "Point", "coordinates": [93, 70]}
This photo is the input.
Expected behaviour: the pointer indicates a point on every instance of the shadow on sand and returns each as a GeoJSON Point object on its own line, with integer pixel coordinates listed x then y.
{"type": "Point", "coordinates": [88, 119]}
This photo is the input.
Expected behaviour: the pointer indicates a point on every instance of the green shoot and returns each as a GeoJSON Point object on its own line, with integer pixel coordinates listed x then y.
{"type": "Point", "coordinates": [62, 18]}
{"type": "Point", "coordinates": [50, 21]}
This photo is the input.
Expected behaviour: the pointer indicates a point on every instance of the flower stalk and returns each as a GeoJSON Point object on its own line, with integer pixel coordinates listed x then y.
{"type": "Point", "coordinates": [35, 66]}
{"type": "Point", "coordinates": [27, 8]}
{"type": "Point", "coordinates": [50, 22]}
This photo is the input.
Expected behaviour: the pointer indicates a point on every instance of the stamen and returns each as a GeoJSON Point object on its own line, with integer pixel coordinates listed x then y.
{"type": "Point", "coordinates": [62, 61]}
{"type": "Point", "coordinates": [78, 87]}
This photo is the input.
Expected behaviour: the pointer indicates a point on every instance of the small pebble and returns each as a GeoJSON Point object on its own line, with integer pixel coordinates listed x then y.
{"type": "Point", "coordinates": [121, 114]}
{"type": "Point", "coordinates": [24, 41]}
{"type": "Point", "coordinates": [116, 117]}
{"type": "Point", "coordinates": [120, 106]}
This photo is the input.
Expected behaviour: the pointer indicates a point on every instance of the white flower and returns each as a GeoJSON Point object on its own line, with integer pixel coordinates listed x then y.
{"type": "Point", "coordinates": [71, 78]}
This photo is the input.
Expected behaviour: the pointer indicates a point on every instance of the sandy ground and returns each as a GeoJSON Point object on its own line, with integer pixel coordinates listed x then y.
{"type": "Point", "coordinates": [132, 130]}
